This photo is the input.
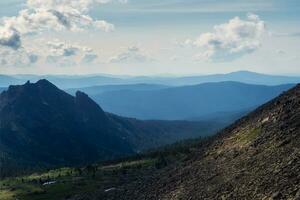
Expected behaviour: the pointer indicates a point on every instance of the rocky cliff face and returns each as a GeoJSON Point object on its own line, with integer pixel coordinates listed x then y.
{"type": "Point", "coordinates": [258, 157]}
{"type": "Point", "coordinates": [42, 126]}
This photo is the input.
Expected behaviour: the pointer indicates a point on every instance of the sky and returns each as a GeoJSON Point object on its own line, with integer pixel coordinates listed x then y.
{"type": "Point", "coordinates": [149, 37]}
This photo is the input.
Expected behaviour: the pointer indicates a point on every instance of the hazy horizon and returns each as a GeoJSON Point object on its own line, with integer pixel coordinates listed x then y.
{"type": "Point", "coordinates": [163, 75]}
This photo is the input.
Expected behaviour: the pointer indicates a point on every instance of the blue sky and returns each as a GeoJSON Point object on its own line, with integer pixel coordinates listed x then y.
{"type": "Point", "coordinates": [139, 37]}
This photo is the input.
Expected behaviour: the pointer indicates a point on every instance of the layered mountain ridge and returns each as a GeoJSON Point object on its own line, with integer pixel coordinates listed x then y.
{"type": "Point", "coordinates": [43, 126]}
{"type": "Point", "coordinates": [75, 81]}
{"type": "Point", "coordinates": [202, 102]}
{"type": "Point", "coordinates": [257, 157]}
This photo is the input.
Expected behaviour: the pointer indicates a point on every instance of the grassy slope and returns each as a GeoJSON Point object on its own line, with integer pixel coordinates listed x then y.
{"type": "Point", "coordinates": [69, 181]}
{"type": "Point", "coordinates": [94, 180]}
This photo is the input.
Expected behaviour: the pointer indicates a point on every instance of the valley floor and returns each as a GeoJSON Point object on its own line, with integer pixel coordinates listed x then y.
{"type": "Point", "coordinates": [99, 181]}
{"type": "Point", "coordinates": [75, 183]}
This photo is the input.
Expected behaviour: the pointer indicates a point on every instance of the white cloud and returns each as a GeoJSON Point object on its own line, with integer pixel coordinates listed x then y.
{"type": "Point", "coordinates": [58, 48]}
{"type": "Point", "coordinates": [53, 52]}
{"type": "Point", "coordinates": [230, 40]}
{"type": "Point", "coordinates": [89, 58]}
{"type": "Point", "coordinates": [132, 54]}
{"type": "Point", "coordinates": [10, 37]}
{"type": "Point", "coordinates": [43, 15]}
{"type": "Point", "coordinates": [17, 58]}
{"type": "Point", "coordinates": [65, 54]}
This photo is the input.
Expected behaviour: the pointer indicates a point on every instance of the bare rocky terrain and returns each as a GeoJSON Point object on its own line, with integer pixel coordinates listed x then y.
{"type": "Point", "coordinates": [258, 157]}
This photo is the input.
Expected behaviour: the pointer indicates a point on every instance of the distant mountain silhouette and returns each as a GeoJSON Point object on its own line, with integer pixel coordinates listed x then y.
{"type": "Point", "coordinates": [6, 80]}
{"type": "Point", "coordinates": [43, 126]}
{"type": "Point", "coordinates": [203, 102]}
{"type": "Point", "coordinates": [95, 90]}
{"type": "Point", "coordinates": [66, 82]}
{"type": "Point", "coordinates": [239, 76]}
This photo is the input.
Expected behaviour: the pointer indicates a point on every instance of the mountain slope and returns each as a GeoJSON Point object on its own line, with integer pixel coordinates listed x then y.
{"type": "Point", "coordinates": [189, 102]}
{"type": "Point", "coordinates": [2, 89]}
{"type": "Point", "coordinates": [258, 157]}
{"type": "Point", "coordinates": [42, 126]}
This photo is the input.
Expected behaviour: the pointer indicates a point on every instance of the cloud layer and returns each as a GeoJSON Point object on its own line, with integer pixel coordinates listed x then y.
{"type": "Point", "coordinates": [10, 37]}
{"type": "Point", "coordinates": [230, 40]}
{"type": "Point", "coordinates": [63, 53]}
{"type": "Point", "coordinates": [14, 58]}
{"type": "Point", "coordinates": [132, 54]}
{"type": "Point", "coordinates": [41, 15]}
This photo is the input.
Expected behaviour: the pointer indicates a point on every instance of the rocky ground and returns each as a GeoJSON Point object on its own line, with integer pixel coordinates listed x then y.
{"type": "Point", "coordinates": [258, 157]}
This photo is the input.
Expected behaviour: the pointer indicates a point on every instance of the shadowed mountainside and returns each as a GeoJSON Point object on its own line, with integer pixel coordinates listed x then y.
{"type": "Point", "coordinates": [42, 126]}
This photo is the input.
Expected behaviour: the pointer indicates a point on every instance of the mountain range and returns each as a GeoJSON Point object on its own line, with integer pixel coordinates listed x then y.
{"type": "Point", "coordinates": [159, 98]}
{"type": "Point", "coordinates": [257, 157]}
{"type": "Point", "coordinates": [96, 90]}
{"type": "Point", "coordinates": [69, 81]}
{"type": "Point", "coordinates": [43, 126]}
{"type": "Point", "coordinates": [207, 101]}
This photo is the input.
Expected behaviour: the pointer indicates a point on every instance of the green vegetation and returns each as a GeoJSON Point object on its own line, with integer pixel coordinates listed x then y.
{"type": "Point", "coordinates": [66, 182]}
{"type": "Point", "coordinates": [247, 136]}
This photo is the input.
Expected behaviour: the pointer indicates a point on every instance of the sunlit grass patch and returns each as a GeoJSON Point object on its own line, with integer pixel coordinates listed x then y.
{"type": "Point", "coordinates": [247, 136]}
